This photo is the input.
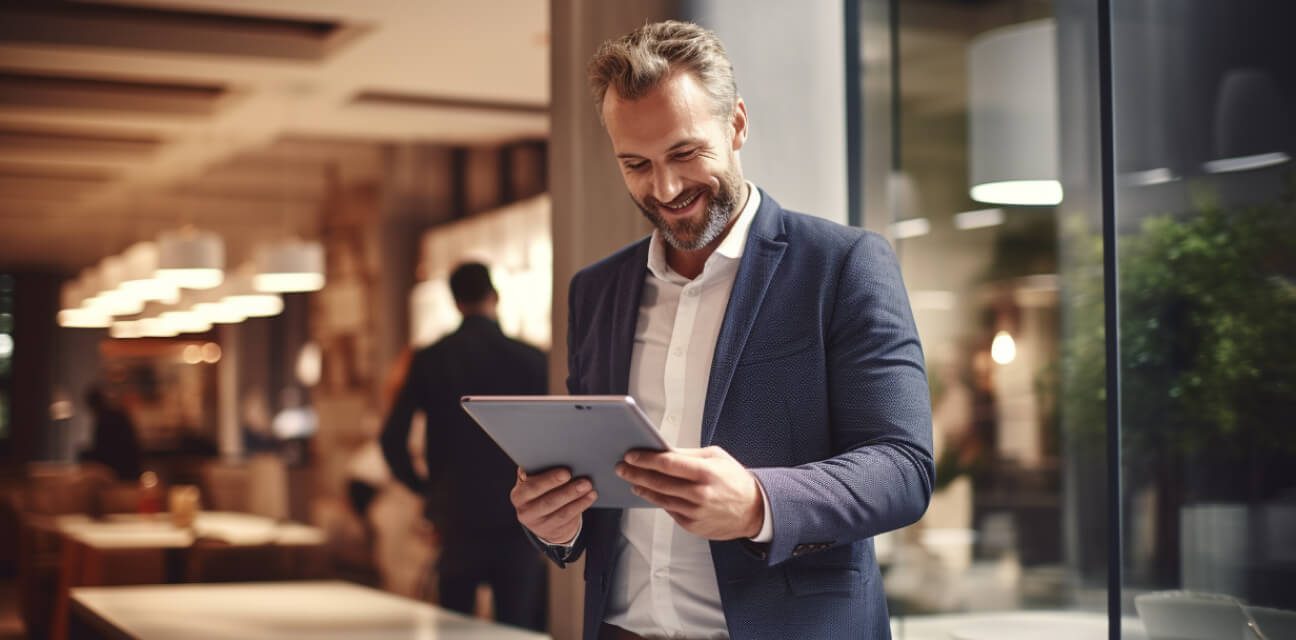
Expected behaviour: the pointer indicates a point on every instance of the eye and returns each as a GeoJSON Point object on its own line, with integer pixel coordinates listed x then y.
{"type": "Point", "coordinates": [686, 155]}
{"type": "Point", "coordinates": [636, 165]}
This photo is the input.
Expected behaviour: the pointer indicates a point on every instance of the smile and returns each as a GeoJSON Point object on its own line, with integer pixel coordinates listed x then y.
{"type": "Point", "coordinates": [683, 205]}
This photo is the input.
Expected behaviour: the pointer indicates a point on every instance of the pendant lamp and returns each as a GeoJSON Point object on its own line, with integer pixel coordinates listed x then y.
{"type": "Point", "coordinates": [191, 258]}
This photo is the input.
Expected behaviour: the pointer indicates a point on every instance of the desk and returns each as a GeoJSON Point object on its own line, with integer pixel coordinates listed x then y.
{"type": "Point", "coordinates": [1012, 625]}
{"type": "Point", "coordinates": [131, 549]}
{"type": "Point", "coordinates": [307, 610]}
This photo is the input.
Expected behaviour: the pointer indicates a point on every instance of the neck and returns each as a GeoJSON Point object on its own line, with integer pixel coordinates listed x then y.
{"type": "Point", "coordinates": [689, 263]}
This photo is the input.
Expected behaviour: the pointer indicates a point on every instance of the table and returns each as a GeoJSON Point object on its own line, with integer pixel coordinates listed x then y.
{"type": "Point", "coordinates": [324, 610]}
{"type": "Point", "coordinates": [1012, 625]}
{"type": "Point", "coordinates": [132, 549]}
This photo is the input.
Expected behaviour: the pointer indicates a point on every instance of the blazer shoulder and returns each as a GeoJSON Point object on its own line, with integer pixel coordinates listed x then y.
{"type": "Point", "coordinates": [829, 235]}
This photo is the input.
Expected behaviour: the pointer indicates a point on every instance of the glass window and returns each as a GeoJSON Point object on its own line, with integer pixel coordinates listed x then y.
{"type": "Point", "coordinates": [1206, 211]}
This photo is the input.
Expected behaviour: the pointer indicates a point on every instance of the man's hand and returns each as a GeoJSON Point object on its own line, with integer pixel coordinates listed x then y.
{"type": "Point", "coordinates": [550, 504]}
{"type": "Point", "coordinates": [706, 491]}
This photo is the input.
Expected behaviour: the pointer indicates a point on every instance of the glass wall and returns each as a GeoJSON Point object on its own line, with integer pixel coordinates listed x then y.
{"type": "Point", "coordinates": [979, 189]}
{"type": "Point", "coordinates": [1204, 97]}
{"type": "Point", "coordinates": [994, 204]}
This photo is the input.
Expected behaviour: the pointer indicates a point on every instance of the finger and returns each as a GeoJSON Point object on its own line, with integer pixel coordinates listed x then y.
{"type": "Point", "coordinates": [671, 463]}
{"type": "Point", "coordinates": [536, 485]}
{"type": "Point", "coordinates": [569, 513]}
{"type": "Point", "coordinates": [668, 502]}
{"type": "Point", "coordinates": [659, 482]}
{"type": "Point", "coordinates": [541, 507]}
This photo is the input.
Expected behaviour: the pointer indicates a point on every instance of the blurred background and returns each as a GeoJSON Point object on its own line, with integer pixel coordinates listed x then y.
{"type": "Point", "coordinates": [225, 223]}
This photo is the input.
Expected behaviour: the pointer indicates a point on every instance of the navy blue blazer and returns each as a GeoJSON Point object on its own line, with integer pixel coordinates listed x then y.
{"type": "Point", "coordinates": [818, 386]}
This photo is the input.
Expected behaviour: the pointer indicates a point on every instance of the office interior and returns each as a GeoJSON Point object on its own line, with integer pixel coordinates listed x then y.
{"type": "Point", "coordinates": [1093, 203]}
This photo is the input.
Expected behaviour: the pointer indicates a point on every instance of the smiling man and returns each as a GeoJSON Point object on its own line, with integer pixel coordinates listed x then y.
{"type": "Point", "coordinates": [775, 351]}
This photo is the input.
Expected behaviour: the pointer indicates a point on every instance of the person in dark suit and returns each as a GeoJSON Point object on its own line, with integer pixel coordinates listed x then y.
{"type": "Point", "coordinates": [467, 496]}
{"type": "Point", "coordinates": [777, 353]}
{"type": "Point", "coordinates": [115, 443]}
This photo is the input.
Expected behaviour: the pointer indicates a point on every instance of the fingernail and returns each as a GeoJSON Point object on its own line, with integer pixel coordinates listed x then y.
{"type": "Point", "coordinates": [620, 471]}
{"type": "Point", "coordinates": [636, 490]}
{"type": "Point", "coordinates": [631, 457]}
{"type": "Point", "coordinates": [564, 476]}
{"type": "Point", "coordinates": [586, 485]}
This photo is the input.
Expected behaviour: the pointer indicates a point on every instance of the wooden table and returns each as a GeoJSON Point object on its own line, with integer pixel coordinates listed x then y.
{"type": "Point", "coordinates": [323, 610]}
{"type": "Point", "coordinates": [132, 549]}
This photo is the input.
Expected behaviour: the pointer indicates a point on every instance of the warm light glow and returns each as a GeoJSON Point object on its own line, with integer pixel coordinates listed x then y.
{"type": "Point", "coordinates": [185, 321]}
{"type": "Point", "coordinates": [1023, 192]}
{"type": "Point", "coordinates": [192, 354]}
{"type": "Point", "coordinates": [288, 282]}
{"type": "Point", "coordinates": [6, 345]}
{"type": "Point", "coordinates": [260, 305]}
{"type": "Point", "coordinates": [911, 228]}
{"type": "Point", "coordinates": [310, 361]}
{"type": "Point", "coordinates": [192, 278]}
{"type": "Point", "coordinates": [124, 329]}
{"type": "Point", "coordinates": [114, 303]}
{"type": "Point", "coordinates": [151, 290]}
{"type": "Point", "coordinates": [211, 353]}
{"type": "Point", "coordinates": [156, 328]}
{"type": "Point", "coordinates": [84, 319]}
{"type": "Point", "coordinates": [1003, 350]}
{"type": "Point", "coordinates": [219, 313]}
{"type": "Point", "coordinates": [978, 219]}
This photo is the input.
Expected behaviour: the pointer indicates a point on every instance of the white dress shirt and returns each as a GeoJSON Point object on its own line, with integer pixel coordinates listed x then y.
{"type": "Point", "coordinates": [665, 583]}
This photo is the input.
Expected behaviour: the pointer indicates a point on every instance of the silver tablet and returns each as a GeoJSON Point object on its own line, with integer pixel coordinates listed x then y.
{"type": "Point", "coordinates": [587, 434]}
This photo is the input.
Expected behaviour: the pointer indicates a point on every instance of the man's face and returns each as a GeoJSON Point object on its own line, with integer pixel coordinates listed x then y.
{"type": "Point", "coordinates": [679, 159]}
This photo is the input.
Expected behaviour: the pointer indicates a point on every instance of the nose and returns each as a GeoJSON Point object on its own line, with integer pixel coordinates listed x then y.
{"type": "Point", "coordinates": [666, 184]}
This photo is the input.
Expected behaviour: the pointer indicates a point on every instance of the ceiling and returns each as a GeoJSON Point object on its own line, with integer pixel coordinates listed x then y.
{"type": "Point", "coordinates": [121, 118]}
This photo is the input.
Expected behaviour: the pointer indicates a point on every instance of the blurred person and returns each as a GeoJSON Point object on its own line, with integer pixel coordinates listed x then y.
{"type": "Point", "coordinates": [115, 443]}
{"type": "Point", "coordinates": [779, 356]}
{"type": "Point", "coordinates": [467, 497]}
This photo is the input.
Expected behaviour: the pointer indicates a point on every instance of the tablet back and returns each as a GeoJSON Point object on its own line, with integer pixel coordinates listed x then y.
{"type": "Point", "coordinates": [587, 434]}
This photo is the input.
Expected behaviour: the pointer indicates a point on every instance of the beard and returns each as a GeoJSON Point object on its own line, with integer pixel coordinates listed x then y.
{"type": "Point", "coordinates": [691, 234]}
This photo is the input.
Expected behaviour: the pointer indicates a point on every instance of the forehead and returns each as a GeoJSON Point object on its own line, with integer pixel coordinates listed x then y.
{"type": "Point", "coordinates": [677, 109]}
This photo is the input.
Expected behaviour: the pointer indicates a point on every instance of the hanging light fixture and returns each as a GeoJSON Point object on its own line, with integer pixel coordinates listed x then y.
{"type": "Point", "coordinates": [72, 315]}
{"type": "Point", "coordinates": [1013, 115]}
{"type": "Point", "coordinates": [191, 259]}
{"type": "Point", "coordinates": [210, 305]}
{"type": "Point", "coordinates": [292, 265]}
{"type": "Point", "coordinates": [108, 299]}
{"type": "Point", "coordinates": [140, 279]}
{"type": "Point", "coordinates": [243, 297]}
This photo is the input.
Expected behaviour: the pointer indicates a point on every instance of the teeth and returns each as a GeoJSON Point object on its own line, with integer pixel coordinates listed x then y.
{"type": "Point", "coordinates": [685, 204]}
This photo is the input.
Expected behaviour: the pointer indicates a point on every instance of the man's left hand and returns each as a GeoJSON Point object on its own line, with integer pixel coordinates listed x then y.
{"type": "Point", "coordinates": [706, 491]}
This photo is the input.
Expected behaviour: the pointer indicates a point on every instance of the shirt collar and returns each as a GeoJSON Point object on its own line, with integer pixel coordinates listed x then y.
{"type": "Point", "coordinates": [731, 247]}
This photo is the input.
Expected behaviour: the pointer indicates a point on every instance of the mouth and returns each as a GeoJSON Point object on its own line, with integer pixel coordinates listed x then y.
{"type": "Point", "coordinates": [682, 207]}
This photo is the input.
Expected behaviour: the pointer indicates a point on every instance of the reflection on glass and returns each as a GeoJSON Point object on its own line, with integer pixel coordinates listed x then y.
{"type": "Point", "coordinates": [1208, 304]}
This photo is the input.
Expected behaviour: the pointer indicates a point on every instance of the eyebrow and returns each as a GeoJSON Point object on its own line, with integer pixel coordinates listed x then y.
{"type": "Point", "coordinates": [682, 143]}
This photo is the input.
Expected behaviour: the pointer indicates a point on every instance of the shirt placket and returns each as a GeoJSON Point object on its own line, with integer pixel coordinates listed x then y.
{"type": "Point", "coordinates": [672, 416]}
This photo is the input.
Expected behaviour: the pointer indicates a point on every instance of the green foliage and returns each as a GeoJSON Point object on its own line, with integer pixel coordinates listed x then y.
{"type": "Point", "coordinates": [1208, 311]}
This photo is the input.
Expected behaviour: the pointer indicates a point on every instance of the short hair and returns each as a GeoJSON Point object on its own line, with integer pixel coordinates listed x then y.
{"type": "Point", "coordinates": [470, 283]}
{"type": "Point", "coordinates": [639, 61]}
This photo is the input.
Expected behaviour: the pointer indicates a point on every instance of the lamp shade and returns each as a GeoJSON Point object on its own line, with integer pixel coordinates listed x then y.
{"type": "Point", "coordinates": [101, 282]}
{"type": "Point", "coordinates": [140, 278]}
{"type": "Point", "coordinates": [290, 266]}
{"type": "Point", "coordinates": [1013, 115]}
{"type": "Point", "coordinates": [245, 299]}
{"type": "Point", "coordinates": [191, 258]}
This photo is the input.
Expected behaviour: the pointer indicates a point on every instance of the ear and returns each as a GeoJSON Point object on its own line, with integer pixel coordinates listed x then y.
{"type": "Point", "coordinates": [740, 124]}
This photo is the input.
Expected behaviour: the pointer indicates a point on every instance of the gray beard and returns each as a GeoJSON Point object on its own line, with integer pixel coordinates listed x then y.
{"type": "Point", "coordinates": [720, 208]}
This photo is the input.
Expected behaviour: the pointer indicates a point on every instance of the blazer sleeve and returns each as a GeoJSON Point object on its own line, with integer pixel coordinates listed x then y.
{"type": "Point", "coordinates": [396, 430]}
{"type": "Point", "coordinates": [882, 475]}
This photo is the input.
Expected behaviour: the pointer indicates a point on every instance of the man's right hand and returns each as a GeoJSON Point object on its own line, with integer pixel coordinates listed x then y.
{"type": "Point", "coordinates": [550, 504]}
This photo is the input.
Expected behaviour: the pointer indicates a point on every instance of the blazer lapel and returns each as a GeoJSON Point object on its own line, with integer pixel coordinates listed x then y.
{"type": "Point", "coordinates": [625, 316]}
{"type": "Point", "coordinates": [765, 246]}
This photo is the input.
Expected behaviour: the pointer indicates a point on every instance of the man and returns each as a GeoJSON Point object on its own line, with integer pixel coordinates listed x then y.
{"type": "Point", "coordinates": [776, 351]}
{"type": "Point", "coordinates": [468, 497]}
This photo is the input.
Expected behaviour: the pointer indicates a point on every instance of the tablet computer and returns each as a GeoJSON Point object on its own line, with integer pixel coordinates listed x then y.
{"type": "Point", "coordinates": [587, 434]}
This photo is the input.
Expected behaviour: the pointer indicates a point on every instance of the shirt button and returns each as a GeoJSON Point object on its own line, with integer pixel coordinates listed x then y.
{"type": "Point", "coordinates": [678, 351]}
{"type": "Point", "coordinates": [671, 418]}
{"type": "Point", "coordinates": [693, 293]}
{"type": "Point", "coordinates": [659, 573]}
